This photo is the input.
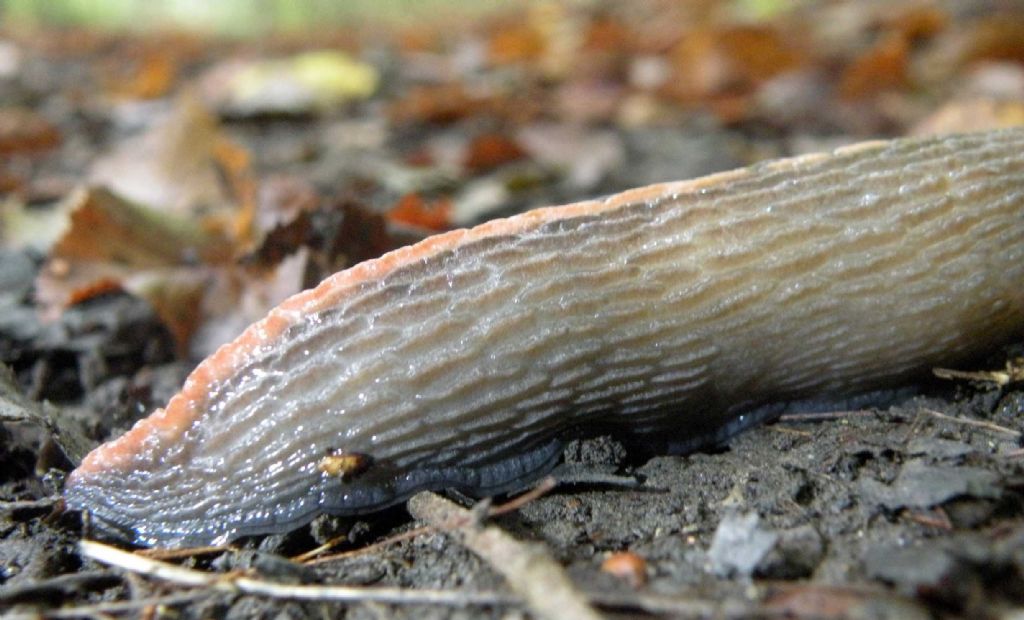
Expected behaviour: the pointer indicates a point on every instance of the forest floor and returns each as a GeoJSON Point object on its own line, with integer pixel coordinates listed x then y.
{"type": "Point", "coordinates": [118, 150]}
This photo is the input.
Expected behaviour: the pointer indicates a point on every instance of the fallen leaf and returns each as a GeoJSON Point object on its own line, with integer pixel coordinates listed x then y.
{"type": "Point", "coordinates": [996, 37]}
{"type": "Point", "coordinates": [734, 60]}
{"type": "Point", "coordinates": [151, 77]}
{"type": "Point", "coordinates": [491, 150]}
{"type": "Point", "coordinates": [307, 83]}
{"type": "Point", "coordinates": [283, 217]}
{"type": "Point", "coordinates": [25, 131]}
{"type": "Point", "coordinates": [917, 22]}
{"type": "Point", "coordinates": [413, 210]}
{"type": "Point", "coordinates": [882, 68]}
{"type": "Point", "coordinates": [173, 166]}
{"type": "Point", "coordinates": [515, 41]}
{"type": "Point", "coordinates": [239, 296]}
{"type": "Point", "coordinates": [440, 104]}
{"type": "Point", "coordinates": [107, 228]}
{"type": "Point", "coordinates": [112, 244]}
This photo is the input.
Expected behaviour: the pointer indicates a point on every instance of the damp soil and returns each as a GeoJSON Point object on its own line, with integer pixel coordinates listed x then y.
{"type": "Point", "coordinates": [911, 510]}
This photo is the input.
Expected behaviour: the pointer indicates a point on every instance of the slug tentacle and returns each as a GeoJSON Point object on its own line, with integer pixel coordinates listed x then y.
{"type": "Point", "coordinates": [685, 310]}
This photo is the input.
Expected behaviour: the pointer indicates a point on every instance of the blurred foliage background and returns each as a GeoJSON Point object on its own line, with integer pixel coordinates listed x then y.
{"type": "Point", "coordinates": [229, 17]}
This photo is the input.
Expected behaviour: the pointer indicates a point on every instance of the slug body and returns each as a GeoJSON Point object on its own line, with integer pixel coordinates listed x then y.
{"type": "Point", "coordinates": [678, 312]}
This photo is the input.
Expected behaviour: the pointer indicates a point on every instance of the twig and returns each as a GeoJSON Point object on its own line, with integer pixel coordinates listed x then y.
{"type": "Point", "coordinates": [176, 554]}
{"type": "Point", "coordinates": [516, 503]}
{"type": "Point", "coordinates": [56, 587]}
{"type": "Point", "coordinates": [528, 568]}
{"type": "Point", "coordinates": [542, 488]}
{"type": "Point", "coordinates": [823, 416]}
{"type": "Point", "coordinates": [413, 533]}
{"type": "Point", "coordinates": [678, 606]}
{"type": "Point", "coordinates": [1013, 372]}
{"type": "Point", "coordinates": [791, 431]}
{"type": "Point", "coordinates": [937, 518]}
{"type": "Point", "coordinates": [977, 423]}
{"type": "Point", "coordinates": [248, 585]}
{"type": "Point", "coordinates": [101, 609]}
{"type": "Point", "coordinates": [43, 503]}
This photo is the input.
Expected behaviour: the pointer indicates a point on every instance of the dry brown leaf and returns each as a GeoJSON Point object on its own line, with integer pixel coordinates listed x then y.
{"type": "Point", "coordinates": [917, 22]}
{"type": "Point", "coordinates": [239, 296]}
{"type": "Point", "coordinates": [882, 68]}
{"type": "Point", "coordinates": [112, 244]}
{"type": "Point", "coordinates": [515, 41]}
{"type": "Point", "coordinates": [441, 104]}
{"type": "Point", "coordinates": [490, 150]}
{"type": "Point", "coordinates": [997, 37]}
{"type": "Point", "coordinates": [106, 228]}
{"type": "Point", "coordinates": [24, 131]}
{"type": "Point", "coordinates": [172, 166]}
{"type": "Point", "coordinates": [710, 62]}
{"type": "Point", "coordinates": [413, 210]}
{"type": "Point", "coordinates": [151, 77]}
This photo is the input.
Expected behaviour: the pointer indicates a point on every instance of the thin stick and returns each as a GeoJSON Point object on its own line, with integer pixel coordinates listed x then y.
{"type": "Point", "coordinates": [114, 607]}
{"type": "Point", "coordinates": [516, 503]}
{"type": "Point", "coordinates": [823, 416]}
{"type": "Point", "coordinates": [528, 568]}
{"type": "Point", "coordinates": [249, 585]}
{"type": "Point", "coordinates": [1013, 373]}
{"type": "Point", "coordinates": [791, 431]}
{"type": "Point", "coordinates": [30, 504]}
{"type": "Point", "coordinates": [978, 423]}
{"type": "Point", "coordinates": [542, 488]}
{"type": "Point", "coordinates": [413, 533]}
{"type": "Point", "coordinates": [176, 554]}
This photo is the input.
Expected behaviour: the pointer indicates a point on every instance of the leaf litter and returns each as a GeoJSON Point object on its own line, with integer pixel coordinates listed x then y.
{"type": "Point", "coordinates": [152, 208]}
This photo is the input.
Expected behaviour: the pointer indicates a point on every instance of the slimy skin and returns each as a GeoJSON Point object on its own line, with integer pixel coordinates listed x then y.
{"type": "Point", "coordinates": [677, 312]}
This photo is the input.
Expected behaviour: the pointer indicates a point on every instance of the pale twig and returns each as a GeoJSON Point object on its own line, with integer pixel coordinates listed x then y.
{"type": "Point", "coordinates": [30, 504]}
{"type": "Point", "coordinates": [528, 568]}
{"type": "Point", "coordinates": [413, 533]}
{"type": "Point", "coordinates": [678, 606]}
{"type": "Point", "coordinates": [516, 503]}
{"type": "Point", "coordinates": [823, 416]}
{"type": "Point", "coordinates": [237, 583]}
{"type": "Point", "coordinates": [542, 488]}
{"type": "Point", "coordinates": [1012, 373]}
{"type": "Point", "coordinates": [177, 554]}
{"type": "Point", "coordinates": [977, 423]}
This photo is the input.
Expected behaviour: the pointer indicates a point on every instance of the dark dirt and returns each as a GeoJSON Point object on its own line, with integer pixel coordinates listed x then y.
{"type": "Point", "coordinates": [910, 511]}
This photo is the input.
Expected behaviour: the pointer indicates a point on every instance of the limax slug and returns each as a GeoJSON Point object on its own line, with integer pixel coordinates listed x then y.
{"type": "Point", "coordinates": [677, 312]}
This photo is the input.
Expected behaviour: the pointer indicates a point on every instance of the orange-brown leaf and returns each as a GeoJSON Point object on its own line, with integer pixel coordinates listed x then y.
{"type": "Point", "coordinates": [882, 68]}
{"type": "Point", "coordinates": [22, 130]}
{"type": "Point", "coordinates": [490, 150]}
{"type": "Point", "coordinates": [411, 209]}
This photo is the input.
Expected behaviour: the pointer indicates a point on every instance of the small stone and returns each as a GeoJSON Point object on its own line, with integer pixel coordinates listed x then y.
{"type": "Point", "coordinates": [920, 485]}
{"type": "Point", "coordinates": [739, 545]}
{"type": "Point", "coordinates": [927, 571]}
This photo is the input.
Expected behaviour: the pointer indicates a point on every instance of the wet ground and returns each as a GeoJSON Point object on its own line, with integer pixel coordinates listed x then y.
{"type": "Point", "coordinates": [911, 510]}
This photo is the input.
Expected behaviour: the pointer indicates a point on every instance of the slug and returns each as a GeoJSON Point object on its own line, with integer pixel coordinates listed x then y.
{"type": "Point", "coordinates": [676, 314]}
